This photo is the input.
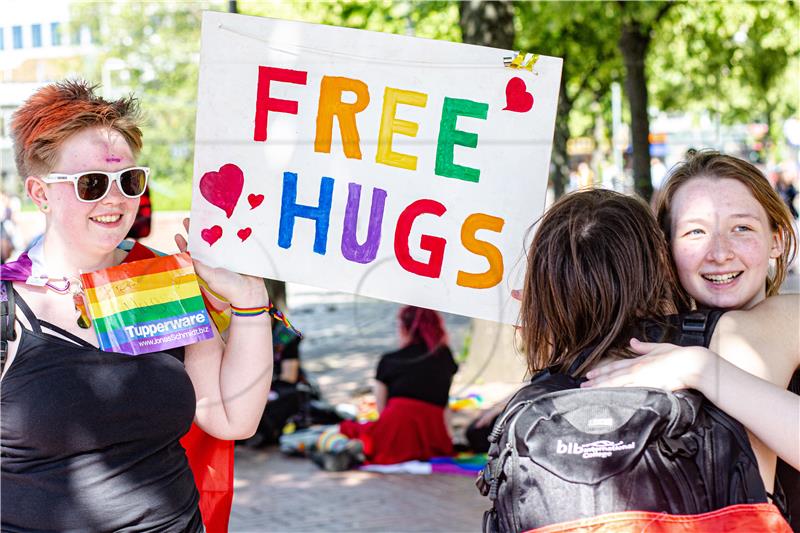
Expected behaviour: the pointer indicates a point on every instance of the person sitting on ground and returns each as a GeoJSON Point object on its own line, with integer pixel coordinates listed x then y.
{"type": "Point", "coordinates": [290, 391]}
{"type": "Point", "coordinates": [412, 387]}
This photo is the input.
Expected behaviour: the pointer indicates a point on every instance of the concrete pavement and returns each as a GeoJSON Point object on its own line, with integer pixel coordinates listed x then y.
{"type": "Point", "coordinates": [279, 494]}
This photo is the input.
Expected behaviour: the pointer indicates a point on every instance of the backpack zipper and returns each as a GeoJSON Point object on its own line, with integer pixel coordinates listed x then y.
{"type": "Point", "coordinates": [744, 441]}
{"type": "Point", "coordinates": [511, 447]}
{"type": "Point", "coordinates": [497, 470]}
{"type": "Point", "coordinates": [498, 427]}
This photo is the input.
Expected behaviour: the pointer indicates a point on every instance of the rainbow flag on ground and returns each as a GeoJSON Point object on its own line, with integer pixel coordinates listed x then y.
{"type": "Point", "coordinates": [147, 306]}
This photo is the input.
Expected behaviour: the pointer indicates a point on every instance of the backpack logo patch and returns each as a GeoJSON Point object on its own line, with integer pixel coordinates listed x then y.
{"type": "Point", "coordinates": [600, 448]}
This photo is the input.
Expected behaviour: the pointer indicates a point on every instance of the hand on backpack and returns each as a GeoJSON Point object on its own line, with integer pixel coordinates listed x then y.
{"type": "Point", "coordinates": [661, 365]}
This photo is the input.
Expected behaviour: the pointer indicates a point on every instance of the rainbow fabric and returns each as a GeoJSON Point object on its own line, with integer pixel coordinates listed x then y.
{"type": "Point", "coordinates": [147, 306]}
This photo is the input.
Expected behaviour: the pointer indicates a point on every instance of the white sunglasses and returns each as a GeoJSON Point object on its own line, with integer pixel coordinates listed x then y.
{"type": "Point", "coordinates": [93, 185]}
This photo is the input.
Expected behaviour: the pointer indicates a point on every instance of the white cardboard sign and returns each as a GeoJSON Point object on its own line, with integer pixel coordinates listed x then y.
{"type": "Point", "coordinates": [388, 166]}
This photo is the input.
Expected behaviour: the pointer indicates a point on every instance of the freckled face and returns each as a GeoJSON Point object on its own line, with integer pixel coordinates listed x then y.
{"type": "Point", "coordinates": [96, 227]}
{"type": "Point", "coordinates": [722, 243]}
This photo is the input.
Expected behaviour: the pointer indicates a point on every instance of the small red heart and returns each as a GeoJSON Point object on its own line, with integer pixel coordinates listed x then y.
{"type": "Point", "coordinates": [244, 233]}
{"type": "Point", "coordinates": [211, 235]}
{"type": "Point", "coordinates": [255, 200]}
{"type": "Point", "coordinates": [517, 97]}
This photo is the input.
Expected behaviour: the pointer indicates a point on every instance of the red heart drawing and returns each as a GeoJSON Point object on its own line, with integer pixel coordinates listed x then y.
{"type": "Point", "coordinates": [255, 200]}
{"type": "Point", "coordinates": [223, 188]}
{"type": "Point", "coordinates": [244, 233]}
{"type": "Point", "coordinates": [211, 235]}
{"type": "Point", "coordinates": [517, 97]}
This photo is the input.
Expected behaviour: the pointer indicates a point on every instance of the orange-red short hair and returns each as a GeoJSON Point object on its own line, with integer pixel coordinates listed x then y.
{"type": "Point", "coordinates": [59, 110]}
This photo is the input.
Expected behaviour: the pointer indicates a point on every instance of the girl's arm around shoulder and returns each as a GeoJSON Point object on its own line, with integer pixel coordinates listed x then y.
{"type": "Point", "coordinates": [770, 412]}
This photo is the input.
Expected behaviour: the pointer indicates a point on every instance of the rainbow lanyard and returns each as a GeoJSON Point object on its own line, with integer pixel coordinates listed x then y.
{"type": "Point", "coordinates": [32, 270]}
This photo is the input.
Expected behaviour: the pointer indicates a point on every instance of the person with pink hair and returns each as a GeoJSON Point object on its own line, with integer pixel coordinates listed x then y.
{"type": "Point", "coordinates": [412, 386]}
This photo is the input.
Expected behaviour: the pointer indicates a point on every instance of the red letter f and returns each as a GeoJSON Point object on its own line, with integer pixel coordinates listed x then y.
{"type": "Point", "coordinates": [264, 103]}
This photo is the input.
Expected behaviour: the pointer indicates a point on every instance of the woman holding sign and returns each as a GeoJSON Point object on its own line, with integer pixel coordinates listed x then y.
{"type": "Point", "coordinates": [90, 439]}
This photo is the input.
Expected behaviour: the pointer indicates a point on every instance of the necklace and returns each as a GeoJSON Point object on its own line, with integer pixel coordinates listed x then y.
{"type": "Point", "coordinates": [38, 277]}
{"type": "Point", "coordinates": [84, 321]}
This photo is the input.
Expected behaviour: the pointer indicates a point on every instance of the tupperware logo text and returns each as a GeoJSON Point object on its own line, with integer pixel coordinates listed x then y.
{"type": "Point", "coordinates": [148, 330]}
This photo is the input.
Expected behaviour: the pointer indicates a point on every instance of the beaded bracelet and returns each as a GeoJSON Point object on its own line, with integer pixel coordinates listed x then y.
{"type": "Point", "coordinates": [273, 311]}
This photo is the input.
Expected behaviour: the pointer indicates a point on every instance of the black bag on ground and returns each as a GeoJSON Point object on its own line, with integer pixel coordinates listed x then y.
{"type": "Point", "coordinates": [560, 453]}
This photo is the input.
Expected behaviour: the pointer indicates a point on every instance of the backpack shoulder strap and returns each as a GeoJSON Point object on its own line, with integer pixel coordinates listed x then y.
{"type": "Point", "coordinates": [7, 316]}
{"type": "Point", "coordinates": [696, 327]}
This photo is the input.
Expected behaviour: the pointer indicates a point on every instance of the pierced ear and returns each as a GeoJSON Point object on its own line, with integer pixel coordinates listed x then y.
{"type": "Point", "coordinates": [778, 245]}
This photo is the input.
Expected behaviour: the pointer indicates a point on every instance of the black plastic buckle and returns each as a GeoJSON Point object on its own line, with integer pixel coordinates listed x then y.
{"type": "Point", "coordinates": [695, 323]}
{"type": "Point", "coordinates": [6, 322]}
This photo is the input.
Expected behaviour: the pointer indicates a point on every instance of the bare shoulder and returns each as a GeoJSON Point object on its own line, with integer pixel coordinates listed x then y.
{"type": "Point", "coordinates": [782, 307]}
{"type": "Point", "coordinates": [776, 313]}
{"type": "Point", "coordinates": [764, 340]}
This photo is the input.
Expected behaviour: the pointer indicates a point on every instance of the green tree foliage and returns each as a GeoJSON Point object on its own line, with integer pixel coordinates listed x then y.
{"type": "Point", "coordinates": [740, 61]}
{"type": "Point", "coordinates": [433, 20]}
{"type": "Point", "coordinates": [583, 34]}
{"type": "Point", "coordinates": [152, 49]}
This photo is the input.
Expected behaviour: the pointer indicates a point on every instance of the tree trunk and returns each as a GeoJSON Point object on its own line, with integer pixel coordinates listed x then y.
{"type": "Point", "coordinates": [487, 23]}
{"type": "Point", "coordinates": [277, 292]}
{"type": "Point", "coordinates": [559, 166]}
{"type": "Point", "coordinates": [633, 43]}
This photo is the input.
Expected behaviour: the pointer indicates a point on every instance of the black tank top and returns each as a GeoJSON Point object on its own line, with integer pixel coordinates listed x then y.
{"type": "Point", "coordinates": [89, 439]}
{"type": "Point", "coordinates": [414, 372]}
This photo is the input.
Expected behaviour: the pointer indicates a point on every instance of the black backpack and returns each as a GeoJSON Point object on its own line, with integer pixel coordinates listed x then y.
{"type": "Point", "coordinates": [559, 453]}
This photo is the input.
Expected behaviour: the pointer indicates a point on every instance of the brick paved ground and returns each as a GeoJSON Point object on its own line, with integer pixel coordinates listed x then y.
{"type": "Point", "coordinates": [344, 336]}
{"type": "Point", "coordinates": [280, 494]}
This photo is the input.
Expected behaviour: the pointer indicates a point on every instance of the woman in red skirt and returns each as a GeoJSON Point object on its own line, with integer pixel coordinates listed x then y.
{"type": "Point", "coordinates": [411, 391]}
